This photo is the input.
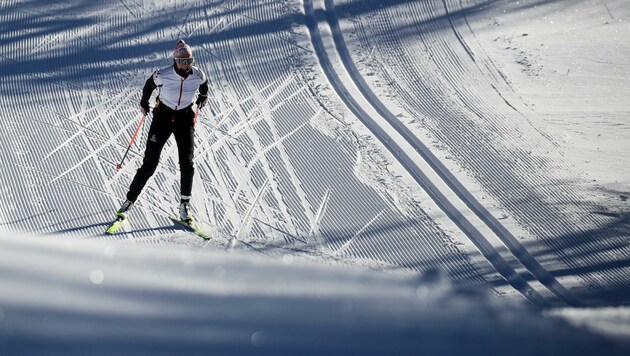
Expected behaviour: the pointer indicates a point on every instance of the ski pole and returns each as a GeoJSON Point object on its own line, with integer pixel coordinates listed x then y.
{"type": "Point", "coordinates": [133, 138]}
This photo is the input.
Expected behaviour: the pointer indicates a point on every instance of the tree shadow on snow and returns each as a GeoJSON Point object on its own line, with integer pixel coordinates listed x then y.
{"type": "Point", "coordinates": [84, 43]}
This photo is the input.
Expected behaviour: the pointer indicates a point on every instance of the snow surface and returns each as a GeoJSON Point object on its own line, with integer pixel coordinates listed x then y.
{"type": "Point", "coordinates": [95, 297]}
{"type": "Point", "coordinates": [401, 177]}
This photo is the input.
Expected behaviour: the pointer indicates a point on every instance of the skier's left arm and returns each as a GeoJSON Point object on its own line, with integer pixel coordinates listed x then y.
{"type": "Point", "coordinates": [202, 98]}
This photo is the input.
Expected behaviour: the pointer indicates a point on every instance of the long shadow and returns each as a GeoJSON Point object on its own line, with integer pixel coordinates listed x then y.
{"type": "Point", "coordinates": [85, 60]}
{"type": "Point", "coordinates": [132, 233]}
{"type": "Point", "coordinates": [102, 225]}
{"type": "Point", "coordinates": [611, 292]}
{"type": "Point", "coordinates": [393, 251]}
{"type": "Point", "coordinates": [601, 256]}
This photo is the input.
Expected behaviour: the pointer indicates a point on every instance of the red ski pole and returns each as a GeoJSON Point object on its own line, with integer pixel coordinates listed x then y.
{"type": "Point", "coordinates": [133, 138]}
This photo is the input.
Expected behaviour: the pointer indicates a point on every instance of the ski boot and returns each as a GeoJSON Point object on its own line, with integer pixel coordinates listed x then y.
{"type": "Point", "coordinates": [121, 214]}
{"type": "Point", "coordinates": [184, 212]}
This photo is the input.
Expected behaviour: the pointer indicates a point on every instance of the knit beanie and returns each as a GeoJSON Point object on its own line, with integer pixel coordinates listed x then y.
{"type": "Point", "coordinates": [182, 50]}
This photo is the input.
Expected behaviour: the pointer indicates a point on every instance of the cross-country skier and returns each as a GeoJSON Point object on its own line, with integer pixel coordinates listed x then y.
{"type": "Point", "coordinates": [172, 114]}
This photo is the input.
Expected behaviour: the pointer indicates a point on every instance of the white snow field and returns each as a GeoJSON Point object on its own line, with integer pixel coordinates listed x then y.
{"type": "Point", "coordinates": [378, 177]}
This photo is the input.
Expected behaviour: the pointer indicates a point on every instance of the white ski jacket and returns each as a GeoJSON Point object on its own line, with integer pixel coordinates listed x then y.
{"type": "Point", "coordinates": [177, 92]}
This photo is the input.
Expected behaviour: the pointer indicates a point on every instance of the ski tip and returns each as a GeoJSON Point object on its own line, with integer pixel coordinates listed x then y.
{"type": "Point", "coordinates": [190, 227]}
{"type": "Point", "coordinates": [115, 226]}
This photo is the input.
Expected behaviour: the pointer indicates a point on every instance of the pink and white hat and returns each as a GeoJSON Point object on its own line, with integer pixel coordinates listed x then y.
{"type": "Point", "coordinates": [182, 50]}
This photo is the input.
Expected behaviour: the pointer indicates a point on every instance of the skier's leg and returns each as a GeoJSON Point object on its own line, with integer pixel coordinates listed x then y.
{"type": "Point", "coordinates": [185, 138]}
{"type": "Point", "coordinates": [159, 133]}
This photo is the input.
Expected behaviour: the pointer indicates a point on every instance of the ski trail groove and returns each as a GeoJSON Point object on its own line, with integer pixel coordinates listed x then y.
{"type": "Point", "coordinates": [436, 194]}
{"type": "Point", "coordinates": [505, 235]}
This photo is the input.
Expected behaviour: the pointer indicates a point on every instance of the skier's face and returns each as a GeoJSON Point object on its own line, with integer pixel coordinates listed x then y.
{"type": "Point", "coordinates": [184, 64]}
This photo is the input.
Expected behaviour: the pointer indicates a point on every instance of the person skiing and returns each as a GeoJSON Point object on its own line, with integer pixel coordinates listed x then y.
{"type": "Point", "coordinates": [172, 114]}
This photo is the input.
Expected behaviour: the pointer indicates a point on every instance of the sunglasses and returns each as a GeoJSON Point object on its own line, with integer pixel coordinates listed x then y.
{"type": "Point", "coordinates": [190, 60]}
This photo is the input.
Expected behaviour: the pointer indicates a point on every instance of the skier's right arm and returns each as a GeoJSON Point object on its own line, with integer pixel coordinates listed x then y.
{"type": "Point", "coordinates": [149, 86]}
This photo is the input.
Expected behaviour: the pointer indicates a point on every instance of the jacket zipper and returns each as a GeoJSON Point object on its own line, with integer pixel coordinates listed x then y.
{"type": "Point", "coordinates": [179, 100]}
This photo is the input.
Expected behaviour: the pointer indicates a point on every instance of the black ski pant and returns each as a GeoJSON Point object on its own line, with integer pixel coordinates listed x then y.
{"type": "Point", "coordinates": [166, 122]}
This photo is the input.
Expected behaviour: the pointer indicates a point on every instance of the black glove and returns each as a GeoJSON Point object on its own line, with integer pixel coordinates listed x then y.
{"type": "Point", "coordinates": [201, 101]}
{"type": "Point", "coordinates": [144, 105]}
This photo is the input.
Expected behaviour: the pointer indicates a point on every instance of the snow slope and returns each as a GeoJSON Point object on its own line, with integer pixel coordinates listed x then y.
{"type": "Point", "coordinates": [95, 297]}
{"type": "Point", "coordinates": [484, 139]}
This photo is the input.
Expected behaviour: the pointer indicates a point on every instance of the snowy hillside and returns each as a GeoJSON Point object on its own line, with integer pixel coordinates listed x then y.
{"type": "Point", "coordinates": [484, 139]}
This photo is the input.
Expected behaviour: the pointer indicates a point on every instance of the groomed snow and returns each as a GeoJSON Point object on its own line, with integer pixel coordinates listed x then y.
{"type": "Point", "coordinates": [68, 296]}
{"type": "Point", "coordinates": [403, 177]}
